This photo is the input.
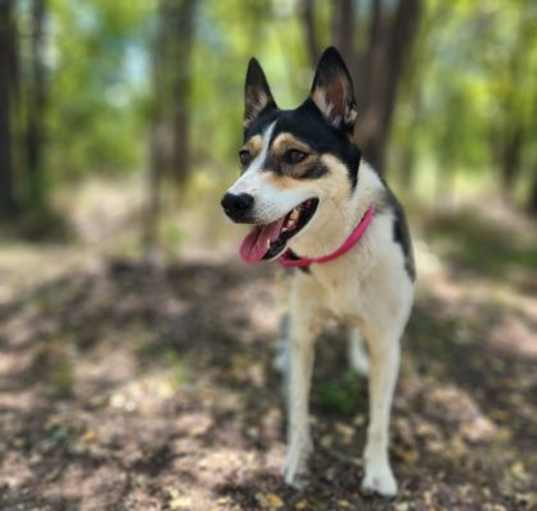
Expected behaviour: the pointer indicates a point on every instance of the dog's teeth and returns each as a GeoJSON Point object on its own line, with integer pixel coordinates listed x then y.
{"type": "Point", "coordinates": [294, 215]}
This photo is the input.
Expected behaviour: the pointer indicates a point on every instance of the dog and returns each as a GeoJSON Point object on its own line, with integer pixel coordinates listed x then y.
{"type": "Point", "coordinates": [316, 205]}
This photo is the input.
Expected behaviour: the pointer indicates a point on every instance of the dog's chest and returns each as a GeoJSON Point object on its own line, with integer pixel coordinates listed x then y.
{"type": "Point", "coordinates": [343, 294]}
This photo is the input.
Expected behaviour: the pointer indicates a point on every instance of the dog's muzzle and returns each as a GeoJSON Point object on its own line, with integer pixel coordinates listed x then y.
{"type": "Point", "coordinates": [238, 207]}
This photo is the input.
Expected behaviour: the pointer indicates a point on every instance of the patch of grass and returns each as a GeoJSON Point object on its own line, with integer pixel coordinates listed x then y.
{"type": "Point", "coordinates": [179, 367]}
{"type": "Point", "coordinates": [343, 395]}
{"type": "Point", "coordinates": [54, 366]}
{"type": "Point", "coordinates": [172, 236]}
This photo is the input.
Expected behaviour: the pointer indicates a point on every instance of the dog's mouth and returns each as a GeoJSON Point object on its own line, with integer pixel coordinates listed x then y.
{"type": "Point", "coordinates": [267, 241]}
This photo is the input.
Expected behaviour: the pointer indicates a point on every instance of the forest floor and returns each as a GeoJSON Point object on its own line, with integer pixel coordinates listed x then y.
{"type": "Point", "coordinates": [129, 388]}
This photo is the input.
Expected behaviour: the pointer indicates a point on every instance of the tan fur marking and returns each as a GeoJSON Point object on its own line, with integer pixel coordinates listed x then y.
{"type": "Point", "coordinates": [282, 182]}
{"type": "Point", "coordinates": [253, 145]}
{"type": "Point", "coordinates": [285, 141]}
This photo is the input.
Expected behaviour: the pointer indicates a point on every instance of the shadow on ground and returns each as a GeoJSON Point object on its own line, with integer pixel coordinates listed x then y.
{"type": "Point", "coordinates": [126, 387]}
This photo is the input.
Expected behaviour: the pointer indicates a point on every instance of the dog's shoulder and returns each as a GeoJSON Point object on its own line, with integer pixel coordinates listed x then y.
{"type": "Point", "coordinates": [386, 203]}
{"type": "Point", "coordinates": [400, 230]}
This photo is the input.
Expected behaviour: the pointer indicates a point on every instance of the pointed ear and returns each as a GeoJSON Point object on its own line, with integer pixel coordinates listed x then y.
{"type": "Point", "coordinates": [257, 95]}
{"type": "Point", "coordinates": [332, 91]}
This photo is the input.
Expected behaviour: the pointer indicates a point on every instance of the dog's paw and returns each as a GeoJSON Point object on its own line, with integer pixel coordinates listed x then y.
{"type": "Point", "coordinates": [379, 481]}
{"type": "Point", "coordinates": [295, 471]}
{"type": "Point", "coordinates": [298, 481]}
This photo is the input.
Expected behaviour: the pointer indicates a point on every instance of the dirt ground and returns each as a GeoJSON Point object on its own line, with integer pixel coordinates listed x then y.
{"type": "Point", "coordinates": [124, 387]}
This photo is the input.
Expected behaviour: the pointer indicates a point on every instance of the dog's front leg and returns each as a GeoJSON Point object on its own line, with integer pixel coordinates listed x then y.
{"type": "Point", "coordinates": [304, 322]}
{"type": "Point", "coordinates": [384, 355]}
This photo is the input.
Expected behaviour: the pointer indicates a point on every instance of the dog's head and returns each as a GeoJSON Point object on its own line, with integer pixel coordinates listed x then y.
{"type": "Point", "coordinates": [297, 165]}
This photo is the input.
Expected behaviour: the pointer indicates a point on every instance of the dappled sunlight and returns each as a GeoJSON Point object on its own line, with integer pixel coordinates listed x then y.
{"type": "Point", "coordinates": [137, 350]}
{"type": "Point", "coordinates": [168, 384]}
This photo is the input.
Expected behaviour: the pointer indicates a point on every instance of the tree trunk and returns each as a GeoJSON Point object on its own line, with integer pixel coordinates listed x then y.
{"type": "Point", "coordinates": [178, 26]}
{"type": "Point", "coordinates": [408, 164]}
{"type": "Point", "coordinates": [343, 31]}
{"type": "Point", "coordinates": [152, 214]}
{"type": "Point", "coordinates": [156, 149]}
{"type": "Point", "coordinates": [389, 47]}
{"type": "Point", "coordinates": [307, 16]}
{"type": "Point", "coordinates": [36, 111]}
{"type": "Point", "coordinates": [8, 202]}
{"type": "Point", "coordinates": [377, 69]}
{"type": "Point", "coordinates": [532, 200]}
{"type": "Point", "coordinates": [511, 155]}
{"type": "Point", "coordinates": [169, 142]}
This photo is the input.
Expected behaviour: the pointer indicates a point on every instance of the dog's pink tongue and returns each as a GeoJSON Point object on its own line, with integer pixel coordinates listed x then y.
{"type": "Point", "coordinates": [256, 243]}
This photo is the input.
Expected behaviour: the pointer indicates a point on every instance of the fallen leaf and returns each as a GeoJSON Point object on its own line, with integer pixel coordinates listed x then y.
{"type": "Point", "coordinates": [89, 436]}
{"type": "Point", "coordinates": [269, 500]}
{"type": "Point", "coordinates": [519, 471]}
{"type": "Point", "coordinates": [481, 429]}
{"type": "Point", "coordinates": [182, 502]}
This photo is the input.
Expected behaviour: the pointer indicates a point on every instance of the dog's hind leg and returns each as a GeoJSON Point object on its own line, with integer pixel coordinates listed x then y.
{"type": "Point", "coordinates": [304, 323]}
{"type": "Point", "coordinates": [357, 352]}
{"type": "Point", "coordinates": [384, 353]}
{"type": "Point", "coordinates": [281, 358]}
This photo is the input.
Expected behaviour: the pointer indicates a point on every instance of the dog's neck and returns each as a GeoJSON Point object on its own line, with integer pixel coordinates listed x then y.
{"type": "Point", "coordinates": [331, 229]}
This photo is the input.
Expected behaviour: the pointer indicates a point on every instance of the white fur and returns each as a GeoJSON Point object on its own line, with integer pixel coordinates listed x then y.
{"type": "Point", "coordinates": [270, 203]}
{"type": "Point", "coordinates": [367, 288]}
{"type": "Point", "coordinates": [357, 354]}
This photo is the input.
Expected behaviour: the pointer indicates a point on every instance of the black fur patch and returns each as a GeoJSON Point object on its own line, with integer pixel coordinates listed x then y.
{"type": "Point", "coordinates": [265, 118]}
{"type": "Point", "coordinates": [306, 123]}
{"type": "Point", "coordinates": [303, 269]}
{"type": "Point", "coordinates": [315, 171]}
{"type": "Point", "coordinates": [401, 233]}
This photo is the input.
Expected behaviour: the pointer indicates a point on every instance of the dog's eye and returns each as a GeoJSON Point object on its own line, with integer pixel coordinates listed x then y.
{"type": "Point", "coordinates": [245, 157]}
{"type": "Point", "coordinates": [294, 156]}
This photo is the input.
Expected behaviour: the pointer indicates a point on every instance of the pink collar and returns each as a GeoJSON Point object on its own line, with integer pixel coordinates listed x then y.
{"type": "Point", "coordinates": [289, 260]}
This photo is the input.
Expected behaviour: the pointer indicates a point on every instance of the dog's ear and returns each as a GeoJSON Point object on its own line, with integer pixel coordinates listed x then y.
{"type": "Point", "coordinates": [332, 91]}
{"type": "Point", "coordinates": [257, 95]}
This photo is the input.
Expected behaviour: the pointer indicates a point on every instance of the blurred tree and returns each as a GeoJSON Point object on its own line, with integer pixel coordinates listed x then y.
{"type": "Point", "coordinates": [376, 64]}
{"type": "Point", "coordinates": [172, 56]}
{"type": "Point", "coordinates": [8, 201]}
{"type": "Point", "coordinates": [181, 17]}
{"type": "Point", "coordinates": [170, 132]}
{"type": "Point", "coordinates": [312, 38]}
{"type": "Point", "coordinates": [511, 131]}
{"type": "Point", "coordinates": [532, 197]}
{"type": "Point", "coordinates": [36, 109]}
{"type": "Point", "coordinates": [98, 90]}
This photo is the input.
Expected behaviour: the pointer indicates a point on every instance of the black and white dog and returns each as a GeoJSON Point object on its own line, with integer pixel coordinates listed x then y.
{"type": "Point", "coordinates": [316, 204]}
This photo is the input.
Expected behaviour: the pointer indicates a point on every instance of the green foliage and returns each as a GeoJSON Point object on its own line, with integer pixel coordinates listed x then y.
{"type": "Point", "coordinates": [471, 83]}
{"type": "Point", "coordinates": [97, 85]}
{"type": "Point", "coordinates": [229, 33]}
{"type": "Point", "coordinates": [342, 395]}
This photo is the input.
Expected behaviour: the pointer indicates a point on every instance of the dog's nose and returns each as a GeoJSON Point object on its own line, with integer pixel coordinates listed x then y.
{"type": "Point", "coordinates": [237, 206]}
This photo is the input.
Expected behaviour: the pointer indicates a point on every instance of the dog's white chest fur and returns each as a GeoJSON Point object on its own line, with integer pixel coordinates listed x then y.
{"type": "Point", "coordinates": [305, 187]}
{"type": "Point", "coordinates": [370, 289]}
{"type": "Point", "coordinates": [370, 281]}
